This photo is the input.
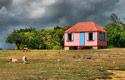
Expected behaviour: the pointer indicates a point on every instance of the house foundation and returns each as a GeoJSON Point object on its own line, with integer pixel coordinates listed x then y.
{"type": "Point", "coordinates": [94, 47]}
{"type": "Point", "coordinates": [66, 48]}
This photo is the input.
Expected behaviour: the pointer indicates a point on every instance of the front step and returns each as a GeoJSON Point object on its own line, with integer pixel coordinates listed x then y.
{"type": "Point", "coordinates": [80, 47]}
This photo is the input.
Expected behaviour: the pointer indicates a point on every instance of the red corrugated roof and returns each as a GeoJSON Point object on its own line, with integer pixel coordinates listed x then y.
{"type": "Point", "coordinates": [85, 27]}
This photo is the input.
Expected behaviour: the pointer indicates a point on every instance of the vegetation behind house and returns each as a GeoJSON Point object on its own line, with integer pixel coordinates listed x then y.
{"type": "Point", "coordinates": [38, 39]}
{"type": "Point", "coordinates": [54, 38]}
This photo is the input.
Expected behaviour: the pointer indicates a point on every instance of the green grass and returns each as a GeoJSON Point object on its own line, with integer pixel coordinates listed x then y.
{"type": "Point", "coordinates": [61, 65]}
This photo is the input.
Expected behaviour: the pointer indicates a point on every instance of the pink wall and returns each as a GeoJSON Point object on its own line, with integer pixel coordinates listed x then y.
{"type": "Point", "coordinates": [92, 42]}
{"type": "Point", "coordinates": [102, 43]}
{"type": "Point", "coordinates": [75, 42]}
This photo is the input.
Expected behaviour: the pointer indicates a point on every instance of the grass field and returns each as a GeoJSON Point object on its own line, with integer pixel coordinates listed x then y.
{"type": "Point", "coordinates": [61, 65]}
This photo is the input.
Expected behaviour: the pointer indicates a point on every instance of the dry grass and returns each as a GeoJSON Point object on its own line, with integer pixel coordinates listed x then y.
{"type": "Point", "coordinates": [61, 65]}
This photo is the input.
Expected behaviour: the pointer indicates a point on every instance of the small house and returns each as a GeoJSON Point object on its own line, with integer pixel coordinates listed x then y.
{"type": "Point", "coordinates": [85, 34]}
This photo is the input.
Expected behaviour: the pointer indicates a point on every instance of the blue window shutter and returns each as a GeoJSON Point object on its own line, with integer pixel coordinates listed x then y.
{"type": "Point", "coordinates": [93, 35]}
{"type": "Point", "coordinates": [66, 36]}
{"type": "Point", "coordinates": [99, 35]}
{"type": "Point", "coordinates": [87, 36]}
{"type": "Point", "coordinates": [102, 36]}
{"type": "Point", "coordinates": [105, 36]}
{"type": "Point", "coordinates": [72, 38]}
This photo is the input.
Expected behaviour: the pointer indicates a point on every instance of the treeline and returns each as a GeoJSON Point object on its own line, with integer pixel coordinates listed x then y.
{"type": "Point", "coordinates": [54, 38]}
{"type": "Point", "coordinates": [116, 32]}
{"type": "Point", "coordinates": [116, 35]}
{"type": "Point", "coordinates": [38, 39]}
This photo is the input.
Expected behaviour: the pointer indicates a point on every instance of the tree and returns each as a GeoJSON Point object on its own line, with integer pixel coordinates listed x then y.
{"type": "Point", "coordinates": [115, 20]}
{"type": "Point", "coordinates": [57, 27]}
{"type": "Point", "coordinates": [38, 39]}
{"type": "Point", "coordinates": [15, 37]}
{"type": "Point", "coordinates": [116, 32]}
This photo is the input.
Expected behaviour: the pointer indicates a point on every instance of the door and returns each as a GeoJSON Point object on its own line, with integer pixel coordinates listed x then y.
{"type": "Point", "coordinates": [82, 39]}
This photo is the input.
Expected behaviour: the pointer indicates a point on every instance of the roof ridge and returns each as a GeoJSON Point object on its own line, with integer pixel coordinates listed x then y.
{"type": "Point", "coordinates": [86, 22]}
{"type": "Point", "coordinates": [85, 26]}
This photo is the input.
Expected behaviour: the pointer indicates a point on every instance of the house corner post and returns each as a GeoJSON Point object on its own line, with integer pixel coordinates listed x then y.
{"type": "Point", "coordinates": [94, 47]}
{"type": "Point", "coordinates": [66, 48]}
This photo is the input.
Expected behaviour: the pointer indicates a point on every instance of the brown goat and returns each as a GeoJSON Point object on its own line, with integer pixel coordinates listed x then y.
{"type": "Point", "coordinates": [26, 49]}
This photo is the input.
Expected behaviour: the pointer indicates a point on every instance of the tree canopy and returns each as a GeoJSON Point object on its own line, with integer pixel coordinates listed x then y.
{"type": "Point", "coordinates": [38, 39]}
{"type": "Point", "coordinates": [116, 32]}
{"type": "Point", "coordinates": [54, 38]}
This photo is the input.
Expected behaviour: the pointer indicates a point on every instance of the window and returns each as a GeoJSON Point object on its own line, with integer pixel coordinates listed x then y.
{"type": "Point", "coordinates": [102, 36]}
{"type": "Point", "coordinates": [69, 37]}
{"type": "Point", "coordinates": [90, 36]}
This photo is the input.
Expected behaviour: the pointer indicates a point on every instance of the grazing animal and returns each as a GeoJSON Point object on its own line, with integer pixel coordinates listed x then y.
{"type": "Point", "coordinates": [77, 60]}
{"type": "Point", "coordinates": [89, 57]}
{"type": "Point", "coordinates": [24, 60]}
{"type": "Point", "coordinates": [26, 49]}
{"type": "Point", "coordinates": [58, 60]}
{"type": "Point", "coordinates": [13, 60]}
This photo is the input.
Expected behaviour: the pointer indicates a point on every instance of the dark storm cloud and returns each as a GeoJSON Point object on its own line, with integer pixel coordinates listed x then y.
{"type": "Point", "coordinates": [69, 12]}
{"type": "Point", "coordinates": [49, 13]}
{"type": "Point", "coordinates": [72, 11]}
{"type": "Point", "coordinates": [5, 3]}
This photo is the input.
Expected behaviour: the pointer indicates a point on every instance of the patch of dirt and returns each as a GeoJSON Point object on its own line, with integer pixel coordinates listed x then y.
{"type": "Point", "coordinates": [117, 75]}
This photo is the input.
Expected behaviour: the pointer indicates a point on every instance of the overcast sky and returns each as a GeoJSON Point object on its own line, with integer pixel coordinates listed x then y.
{"type": "Point", "coordinates": [16, 14]}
